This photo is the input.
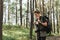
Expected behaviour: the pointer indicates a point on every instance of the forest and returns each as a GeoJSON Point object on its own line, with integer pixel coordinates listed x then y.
{"type": "Point", "coordinates": [17, 17]}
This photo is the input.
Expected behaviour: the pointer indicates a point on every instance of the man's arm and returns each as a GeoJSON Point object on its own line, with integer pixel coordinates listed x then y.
{"type": "Point", "coordinates": [44, 24]}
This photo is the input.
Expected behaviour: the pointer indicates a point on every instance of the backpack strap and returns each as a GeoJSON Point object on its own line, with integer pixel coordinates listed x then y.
{"type": "Point", "coordinates": [44, 19]}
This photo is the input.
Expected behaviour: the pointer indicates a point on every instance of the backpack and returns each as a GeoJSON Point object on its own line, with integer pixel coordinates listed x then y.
{"type": "Point", "coordinates": [48, 29]}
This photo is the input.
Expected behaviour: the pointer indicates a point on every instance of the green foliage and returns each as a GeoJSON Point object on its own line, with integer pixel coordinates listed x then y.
{"type": "Point", "coordinates": [15, 32]}
{"type": "Point", "coordinates": [7, 38]}
{"type": "Point", "coordinates": [7, 27]}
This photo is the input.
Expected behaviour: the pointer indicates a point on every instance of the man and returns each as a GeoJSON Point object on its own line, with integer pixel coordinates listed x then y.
{"type": "Point", "coordinates": [41, 23]}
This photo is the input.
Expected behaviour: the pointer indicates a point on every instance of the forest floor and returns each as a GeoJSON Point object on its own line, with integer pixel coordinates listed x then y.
{"type": "Point", "coordinates": [16, 34]}
{"type": "Point", "coordinates": [22, 34]}
{"type": "Point", "coordinates": [53, 38]}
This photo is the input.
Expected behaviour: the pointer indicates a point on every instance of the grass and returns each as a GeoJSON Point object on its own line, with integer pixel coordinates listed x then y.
{"type": "Point", "coordinates": [8, 38]}
{"type": "Point", "coordinates": [15, 33]}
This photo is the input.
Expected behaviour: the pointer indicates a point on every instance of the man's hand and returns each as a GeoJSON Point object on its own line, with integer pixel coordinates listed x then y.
{"type": "Point", "coordinates": [35, 22]}
{"type": "Point", "coordinates": [39, 21]}
{"type": "Point", "coordinates": [44, 24]}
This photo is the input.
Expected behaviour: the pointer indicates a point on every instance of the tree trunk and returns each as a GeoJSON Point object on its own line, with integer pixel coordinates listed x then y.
{"type": "Point", "coordinates": [8, 14]}
{"type": "Point", "coordinates": [16, 11]}
{"type": "Point", "coordinates": [27, 13]}
{"type": "Point", "coordinates": [50, 18]}
{"type": "Point", "coordinates": [53, 16]}
{"type": "Point", "coordinates": [5, 18]}
{"type": "Point", "coordinates": [57, 22]}
{"type": "Point", "coordinates": [57, 16]}
{"type": "Point", "coordinates": [43, 7]}
{"type": "Point", "coordinates": [1, 18]}
{"type": "Point", "coordinates": [31, 11]}
{"type": "Point", "coordinates": [21, 12]}
{"type": "Point", "coordinates": [35, 4]}
{"type": "Point", "coordinates": [40, 5]}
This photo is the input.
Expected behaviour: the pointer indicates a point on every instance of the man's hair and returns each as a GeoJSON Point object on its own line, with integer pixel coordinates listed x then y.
{"type": "Point", "coordinates": [37, 11]}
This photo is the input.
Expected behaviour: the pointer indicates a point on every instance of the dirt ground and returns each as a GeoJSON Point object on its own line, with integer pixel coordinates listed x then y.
{"type": "Point", "coordinates": [53, 38]}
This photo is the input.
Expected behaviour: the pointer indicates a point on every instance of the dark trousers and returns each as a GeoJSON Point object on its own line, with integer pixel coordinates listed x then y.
{"type": "Point", "coordinates": [40, 38]}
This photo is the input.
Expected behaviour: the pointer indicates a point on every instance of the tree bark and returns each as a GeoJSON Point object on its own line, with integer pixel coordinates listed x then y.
{"type": "Point", "coordinates": [57, 16]}
{"type": "Point", "coordinates": [16, 11]}
{"type": "Point", "coordinates": [31, 11]}
{"type": "Point", "coordinates": [21, 12]}
{"type": "Point", "coordinates": [35, 4]}
{"type": "Point", "coordinates": [43, 7]}
{"type": "Point", "coordinates": [40, 5]}
{"type": "Point", "coordinates": [27, 13]}
{"type": "Point", "coordinates": [53, 16]}
{"type": "Point", "coordinates": [8, 14]}
{"type": "Point", "coordinates": [1, 18]}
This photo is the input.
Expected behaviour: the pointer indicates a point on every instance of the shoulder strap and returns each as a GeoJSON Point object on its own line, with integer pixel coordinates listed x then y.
{"type": "Point", "coordinates": [41, 18]}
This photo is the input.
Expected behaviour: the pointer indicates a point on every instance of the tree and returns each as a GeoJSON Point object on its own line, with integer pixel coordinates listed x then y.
{"type": "Point", "coordinates": [4, 10]}
{"type": "Point", "coordinates": [40, 5]}
{"type": "Point", "coordinates": [53, 16]}
{"type": "Point", "coordinates": [27, 13]}
{"type": "Point", "coordinates": [57, 16]}
{"type": "Point", "coordinates": [50, 14]}
{"type": "Point", "coordinates": [21, 12]}
{"type": "Point", "coordinates": [43, 7]}
{"type": "Point", "coordinates": [35, 4]}
{"type": "Point", "coordinates": [8, 12]}
{"type": "Point", "coordinates": [16, 11]}
{"type": "Point", "coordinates": [32, 18]}
{"type": "Point", "coordinates": [1, 18]}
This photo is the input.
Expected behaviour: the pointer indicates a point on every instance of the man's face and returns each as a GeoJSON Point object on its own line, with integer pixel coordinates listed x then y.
{"type": "Point", "coordinates": [37, 15]}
